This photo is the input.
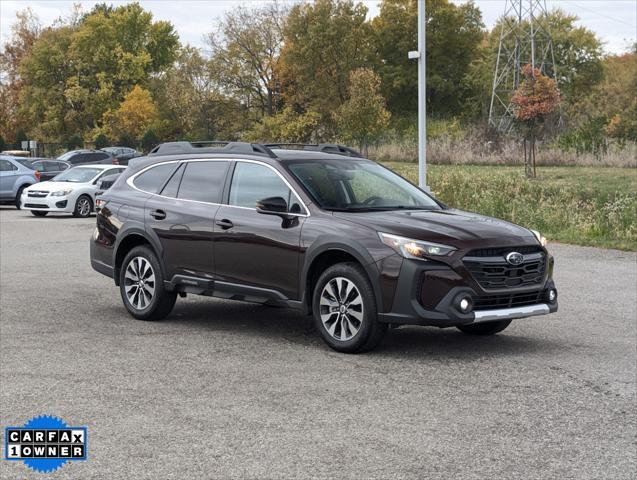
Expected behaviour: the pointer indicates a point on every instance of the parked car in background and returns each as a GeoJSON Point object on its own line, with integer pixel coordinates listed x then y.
{"type": "Point", "coordinates": [45, 168]}
{"type": "Point", "coordinates": [88, 157]}
{"type": "Point", "coordinates": [105, 183]}
{"type": "Point", "coordinates": [72, 191]}
{"type": "Point", "coordinates": [122, 154]}
{"type": "Point", "coordinates": [14, 178]}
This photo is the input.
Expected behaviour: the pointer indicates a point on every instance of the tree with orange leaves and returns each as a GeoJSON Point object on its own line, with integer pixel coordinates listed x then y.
{"type": "Point", "coordinates": [535, 100]}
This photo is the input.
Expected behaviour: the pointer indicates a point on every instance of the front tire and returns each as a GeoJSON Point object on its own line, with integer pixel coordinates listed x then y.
{"type": "Point", "coordinates": [141, 284]}
{"type": "Point", "coordinates": [18, 197]}
{"type": "Point", "coordinates": [83, 206]}
{"type": "Point", "coordinates": [486, 328]}
{"type": "Point", "coordinates": [344, 309]}
{"type": "Point", "coordinates": [38, 213]}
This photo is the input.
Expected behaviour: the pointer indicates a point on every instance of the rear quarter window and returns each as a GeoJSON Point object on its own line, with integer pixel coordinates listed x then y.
{"type": "Point", "coordinates": [153, 179]}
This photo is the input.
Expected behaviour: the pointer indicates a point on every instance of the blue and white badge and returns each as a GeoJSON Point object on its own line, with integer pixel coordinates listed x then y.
{"type": "Point", "coordinates": [45, 443]}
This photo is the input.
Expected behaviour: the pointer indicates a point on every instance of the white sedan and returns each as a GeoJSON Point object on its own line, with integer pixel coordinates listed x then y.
{"type": "Point", "coordinates": [72, 191]}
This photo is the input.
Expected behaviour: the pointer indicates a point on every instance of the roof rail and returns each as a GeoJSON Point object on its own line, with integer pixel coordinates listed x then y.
{"type": "Point", "coordinates": [173, 148]}
{"type": "Point", "coordinates": [318, 147]}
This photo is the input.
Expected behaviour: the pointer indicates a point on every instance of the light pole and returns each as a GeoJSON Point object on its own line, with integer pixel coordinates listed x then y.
{"type": "Point", "coordinates": [422, 99]}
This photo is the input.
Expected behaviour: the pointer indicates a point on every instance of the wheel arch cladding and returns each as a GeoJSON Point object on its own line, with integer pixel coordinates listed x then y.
{"type": "Point", "coordinates": [327, 255]}
{"type": "Point", "coordinates": [126, 244]}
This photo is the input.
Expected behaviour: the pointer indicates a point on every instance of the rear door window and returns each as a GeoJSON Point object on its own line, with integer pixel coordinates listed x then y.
{"type": "Point", "coordinates": [7, 166]}
{"type": "Point", "coordinates": [153, 179]}
{"type": "Point", "coordinates": [203, 181]}
{"type": "Point", "coordinates": [172, 187]}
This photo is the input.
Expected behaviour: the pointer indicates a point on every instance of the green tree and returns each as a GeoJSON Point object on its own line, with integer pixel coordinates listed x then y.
{"type": "Point", "coordinates": [101, 141]}
{"type": "Point", "coordinates": [363, 118]}
{"type": "Point", "coordinates": [323, 42]}
{"type": "Point", "coordinates": [149, 140]}
{"type": "Point", "coordinates": [454, 33]}
{"type": "Point", "coordinates": [77, 72]}
{"type": "Point", "coordinates": [75, 141]}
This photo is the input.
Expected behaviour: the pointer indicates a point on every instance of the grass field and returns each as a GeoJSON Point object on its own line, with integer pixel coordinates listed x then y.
{"type": "Point", "coordinates": [594, 206]}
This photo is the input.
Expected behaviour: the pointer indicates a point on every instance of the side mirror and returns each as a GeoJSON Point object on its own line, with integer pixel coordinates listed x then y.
{"type": "Point", "coordinates": [272, 206]}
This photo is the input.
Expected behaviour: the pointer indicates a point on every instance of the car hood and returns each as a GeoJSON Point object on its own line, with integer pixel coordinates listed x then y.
{"type": "Point", "coordinates": [450, 227]}
{"type": "Point", "coordinates": [55, 186]}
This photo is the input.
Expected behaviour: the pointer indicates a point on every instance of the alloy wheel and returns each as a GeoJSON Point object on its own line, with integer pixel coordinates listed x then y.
{"type": "Point", "coordinates": [341, 308]}
{"type": "Point", "coordinates": [83, 207]}
{"type": "Point", "coordinates": [139, 283]}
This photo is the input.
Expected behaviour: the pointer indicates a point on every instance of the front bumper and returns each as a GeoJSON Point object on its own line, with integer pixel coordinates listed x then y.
{"type": "Point", "coordinates": [440, 286]}
{"type": "Point", "coordinates": [47, 204]}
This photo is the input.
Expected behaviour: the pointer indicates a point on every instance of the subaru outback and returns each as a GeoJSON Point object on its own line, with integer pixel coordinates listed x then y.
{"type": "Point", "coordinates": [317, 228]}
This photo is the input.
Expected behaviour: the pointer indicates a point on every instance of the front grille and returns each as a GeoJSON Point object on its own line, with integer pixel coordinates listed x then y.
{"type": "Point", "coordinates": [37, 193]}
{"type": "Point", "coordinates": [35, 205]}
{"type": "Point", "coordinates": [503, 251]}
{"type": "Point", "coordinates": [493, 302]}
{"type": "Point", "coordinates": [491, 270]}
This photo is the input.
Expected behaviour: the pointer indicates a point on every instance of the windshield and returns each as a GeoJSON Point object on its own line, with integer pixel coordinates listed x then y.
{"type": "Point", "coordinates": [77, 175]}
{"type": "Point", "coordinates": [358, 185]}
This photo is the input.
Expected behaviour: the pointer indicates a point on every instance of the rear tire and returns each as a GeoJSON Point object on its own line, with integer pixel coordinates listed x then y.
{"type": "Point", "coordinates": [83, 206]}
{"type": "Point", "coordinates": [344, 309]}
{"type": "Point", "coordinates": [141, 284]}
{"type": "Point", "coordinates": [38, 213]}
{"type": "Point", "coordinates": [486, 328]}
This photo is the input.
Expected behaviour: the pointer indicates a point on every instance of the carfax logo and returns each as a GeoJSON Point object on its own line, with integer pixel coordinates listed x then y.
{"type": "Point", "coordinates": [45, 443]}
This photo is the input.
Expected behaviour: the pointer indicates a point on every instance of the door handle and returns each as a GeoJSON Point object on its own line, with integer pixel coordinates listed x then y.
{"type": "Point", "coordinates": [158, 214]}
{"type": "Point", "coordinates": [224, 224]}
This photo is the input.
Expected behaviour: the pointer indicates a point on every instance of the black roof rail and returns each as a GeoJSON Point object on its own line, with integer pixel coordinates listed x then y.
{"type": "Point", "coordinates": [173, 148]}
{"type": "Point", "coordinates": [318, 147]}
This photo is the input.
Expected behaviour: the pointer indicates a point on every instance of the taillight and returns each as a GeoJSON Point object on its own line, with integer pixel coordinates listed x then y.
{"type": "Point", "coordinates": [99, 203]}
{"type": "Point", "coordinates": [38, 175]}
{"type": "Point", "coordinates": [115, 161]}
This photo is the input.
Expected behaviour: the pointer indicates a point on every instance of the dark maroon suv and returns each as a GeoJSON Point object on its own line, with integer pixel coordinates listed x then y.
{"type": "Point", "coordinates": [317, 228]}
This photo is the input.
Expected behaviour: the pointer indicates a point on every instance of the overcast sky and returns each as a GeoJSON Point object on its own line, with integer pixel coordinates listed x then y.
{"type": "Point", "coordinates": [615, 21]}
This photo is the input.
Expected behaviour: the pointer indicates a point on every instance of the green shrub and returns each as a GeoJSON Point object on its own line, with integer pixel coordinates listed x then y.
{"type": "Point", "coordinates": [149, 140]}
{"type": "Point", "coordinates": [102, 141]}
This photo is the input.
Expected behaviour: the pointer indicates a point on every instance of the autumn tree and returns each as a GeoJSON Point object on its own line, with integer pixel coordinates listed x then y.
{"type": "Point", "coordinates": [534, 101]}
{"type": "Point", "coordinates": [287, 126]}
{"type": "Point", "coordinates": [363, 118]}
{"type": "Point", "coordinates": [24, 33]}
{"type": "Point", "coordinates": [134, 116]}
{"type": "Point", "coordinates": [77, 72]}
{"type": "Point", "coordinates": [323, 42]}
{"type": "Point", "coordinates": [245, 51]}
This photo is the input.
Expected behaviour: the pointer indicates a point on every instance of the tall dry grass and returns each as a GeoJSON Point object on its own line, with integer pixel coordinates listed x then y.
{"type": "Point", "coordinates": [468, 150]}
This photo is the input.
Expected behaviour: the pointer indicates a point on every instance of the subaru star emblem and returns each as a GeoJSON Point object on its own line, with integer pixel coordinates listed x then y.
{"type": "Point", "coordinates": [515, 258]}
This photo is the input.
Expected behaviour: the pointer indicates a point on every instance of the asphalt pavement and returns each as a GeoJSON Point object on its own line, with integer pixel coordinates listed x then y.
{"type": "Point", "coordinates": [225, 389]}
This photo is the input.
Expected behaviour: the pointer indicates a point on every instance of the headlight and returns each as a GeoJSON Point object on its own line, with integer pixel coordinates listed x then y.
{"type": "Point", "coordinates": [417, 249]}
{"type": "Point", "coordinates": [62, 193]}
{"type": "Point", "coordinates": [540, 238]}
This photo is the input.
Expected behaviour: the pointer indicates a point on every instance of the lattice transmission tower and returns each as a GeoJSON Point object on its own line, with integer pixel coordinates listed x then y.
{"type": "Point", "coordinates": [525, 38]}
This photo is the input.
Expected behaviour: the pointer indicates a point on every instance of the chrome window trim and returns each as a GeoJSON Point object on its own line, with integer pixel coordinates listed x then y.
{"type": "Point", "coordinates": [131, 179]}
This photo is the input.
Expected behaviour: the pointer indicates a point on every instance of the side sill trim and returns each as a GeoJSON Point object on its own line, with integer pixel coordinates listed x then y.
{"type": "Point", "coordinates": [510, 313]}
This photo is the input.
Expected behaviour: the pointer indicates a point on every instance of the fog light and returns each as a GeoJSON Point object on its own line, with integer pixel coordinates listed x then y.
{"type": "Point", "coordinates": [464, 304]}
{"type": "Point", "coordinates": [552, 295]}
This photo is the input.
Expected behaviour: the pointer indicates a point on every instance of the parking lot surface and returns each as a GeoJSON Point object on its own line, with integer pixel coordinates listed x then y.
{"type": "Point", "coordinates": [224, 389]}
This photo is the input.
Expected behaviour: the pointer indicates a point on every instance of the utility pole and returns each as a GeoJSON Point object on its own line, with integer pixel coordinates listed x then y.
{"type": "Point", "coordinates": [525, 38]}
{"type": "Point", "coordinates": [422, 98]}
